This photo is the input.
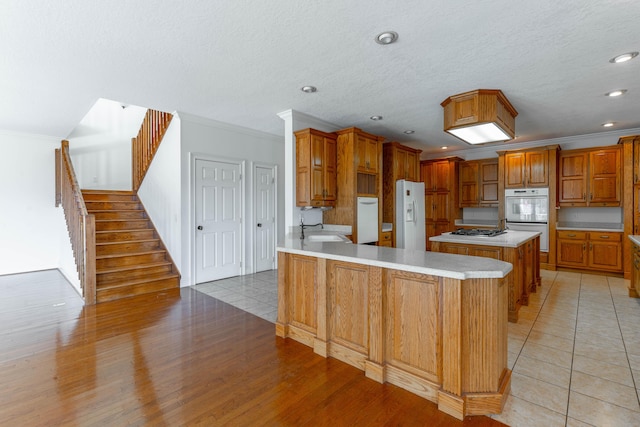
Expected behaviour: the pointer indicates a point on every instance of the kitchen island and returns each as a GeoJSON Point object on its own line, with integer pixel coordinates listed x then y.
{"type": "Point", "coordinates": [520, 248]}
{"type": "Point", "coordinates": [434, 324]}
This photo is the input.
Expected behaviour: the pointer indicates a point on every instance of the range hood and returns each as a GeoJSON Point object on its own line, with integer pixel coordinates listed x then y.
{"type": "Point", "coordinates": [480, 116]}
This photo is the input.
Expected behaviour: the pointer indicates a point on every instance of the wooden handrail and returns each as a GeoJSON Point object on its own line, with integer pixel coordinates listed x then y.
{"type": "Point", "coordinates": [81, 225]}
{"type": "Point", "coordinates": [145, 145]}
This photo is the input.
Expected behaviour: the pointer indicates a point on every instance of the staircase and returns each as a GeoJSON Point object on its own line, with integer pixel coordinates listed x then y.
{"type": "Point", "coordinates": [130, 257]}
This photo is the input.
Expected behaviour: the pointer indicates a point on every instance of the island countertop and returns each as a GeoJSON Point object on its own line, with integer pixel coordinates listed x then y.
{"type": "Point", "coordinates": [510, 239]}
{"type": "Point", "coordinates": [416, 261]}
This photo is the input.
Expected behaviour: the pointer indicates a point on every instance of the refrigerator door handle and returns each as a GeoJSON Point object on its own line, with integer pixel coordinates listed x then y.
{"type": "Point", "coordinates": [415, 216]}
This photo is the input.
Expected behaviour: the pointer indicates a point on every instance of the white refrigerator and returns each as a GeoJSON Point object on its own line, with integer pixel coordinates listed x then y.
{"type": "Point", "coordinates": [409, 221]}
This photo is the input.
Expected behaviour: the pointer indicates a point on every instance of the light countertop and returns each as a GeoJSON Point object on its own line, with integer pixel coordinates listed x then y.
{"type": "Point", "coordinates": [438, 264]}
{"type": "Point", "coordinates": [510, 239]}
{"type": "Point", "coordinates": [635, 239]}
{"type": "Point", "coordinates": [590, 226]}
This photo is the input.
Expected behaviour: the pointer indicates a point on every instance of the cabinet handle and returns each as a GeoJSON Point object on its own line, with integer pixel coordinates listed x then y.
{"type": "Point", "coordinates": [590, 246]}
{"type": "Point", "coordinates": [584, 196]}
{"type": "Point", "coordinates": [604, 237]}
{"type": "Point", "coordinates": [584, 246]}
{"type": "Point", "coordinates": [590, 196]}
{"type": "Point", "coordinates": [571, 235]}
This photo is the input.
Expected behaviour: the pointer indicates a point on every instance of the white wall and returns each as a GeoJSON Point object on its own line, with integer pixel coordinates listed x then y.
{"type": "Point", "coordinates": [33, 233]}
{"type": "Point", "coordinates": [160, 191]}
{"type": "Point", "coordinates": [294, 121]}
{"type": "Point", "coordinates": [100, 146]}
{"type": "Point", "coordinates": [212, 139]}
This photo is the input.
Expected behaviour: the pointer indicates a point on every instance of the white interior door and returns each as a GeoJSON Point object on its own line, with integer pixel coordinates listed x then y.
{"type": "Point", "coordinates": [218, 220]}
{"type": "Point", "coordinates": [265, 217]}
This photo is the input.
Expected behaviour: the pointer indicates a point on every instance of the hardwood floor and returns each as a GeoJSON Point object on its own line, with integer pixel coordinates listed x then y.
{"type": "Point", "coordinates": [176, 357]}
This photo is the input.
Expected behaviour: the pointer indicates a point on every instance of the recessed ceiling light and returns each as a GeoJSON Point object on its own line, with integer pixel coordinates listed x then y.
{"type": "Point", "coordinates": [376, 118]}
{"type": "Point", "coordinates": [308, 89]}
{"type": "Point", "coordinates": [608, 124]}
{"type": "Point", "coordinates": [409, 132]}
{"type": "Point", "coordinates": [617, 92]}
{"type": "Point", "coordinates": [444, 147]}
{"type": "Point", "coordinates": [387, 37]}
{"type": "Point", "coordinates": [623, 58]}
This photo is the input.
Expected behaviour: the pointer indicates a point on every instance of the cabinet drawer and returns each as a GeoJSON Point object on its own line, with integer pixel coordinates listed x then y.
{"type": "Point", "coordinates": [611, 237]}
{"type": "Point", "coordinates": [571, 234]}
{"type": "Point", "coordinates": [385, 236]}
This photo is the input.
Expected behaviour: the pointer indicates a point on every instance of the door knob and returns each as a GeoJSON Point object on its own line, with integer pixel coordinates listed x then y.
{"type": "Point", "coordinates": [199, 227]}
{"type": "Point", "coordinates": [259, 224]}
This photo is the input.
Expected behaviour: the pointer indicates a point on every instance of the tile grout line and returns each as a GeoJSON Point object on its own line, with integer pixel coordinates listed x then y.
{"type": "Point", "coordinates": [626, 353]}
{"type": "Point", "coordinates": [573, 352]}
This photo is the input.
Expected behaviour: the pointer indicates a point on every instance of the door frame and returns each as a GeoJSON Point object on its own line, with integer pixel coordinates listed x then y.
{"type": "Point", "coordinates": [274, 168]}
{"type": "Point", "coordinates": [192, 208]}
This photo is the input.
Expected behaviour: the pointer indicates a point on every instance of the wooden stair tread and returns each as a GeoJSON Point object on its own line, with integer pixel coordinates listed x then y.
{"type": "Point", "coordinates": [138, 281]}
{"type": "Point", "coordinates": [126, 241]}
{"type": "Point", "coordinates": [128, 254]}
{"type": "Point", "coordinates": [113, 210]}
{"type": "Point", "coordinates": [126, 192]}
{"type": "Point", "coordinates": [123, 230]}
{"type": "Point", "coordinates": [132, 267]}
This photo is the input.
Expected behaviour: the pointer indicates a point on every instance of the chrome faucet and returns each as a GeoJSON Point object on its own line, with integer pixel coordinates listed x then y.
{"type": "Point", "coordinates": [303, 226]}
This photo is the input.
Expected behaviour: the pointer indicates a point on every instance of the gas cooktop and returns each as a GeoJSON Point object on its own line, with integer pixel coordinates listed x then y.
{"type": "Point", "coordinates": [478, 232]}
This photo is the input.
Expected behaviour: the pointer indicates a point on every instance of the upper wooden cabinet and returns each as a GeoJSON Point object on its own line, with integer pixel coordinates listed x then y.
{"type": "Point", "coordinates": [367, 154]}
{"type": "Point", "coordinates": [478, 183]}
{"type": "Point", "coordinates": [525, 169]}
{"type": "Point", "coordinates": [590, 177]}
{"type": "Point", "coordinates": [436, 175]}
{"type": "Point", "coordinates": [400, 162]}
{"type": "Point", "coordinates": [315, 168]}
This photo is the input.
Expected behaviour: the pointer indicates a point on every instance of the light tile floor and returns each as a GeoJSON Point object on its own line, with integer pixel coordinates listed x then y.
{"type": "Point", "coordinates": [574, 353]}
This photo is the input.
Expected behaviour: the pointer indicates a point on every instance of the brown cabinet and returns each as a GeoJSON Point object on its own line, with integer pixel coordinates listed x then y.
{"type": "Point", "coordinates": [436, 175]}
{"type": "Point", "coordinates": [636, 209]}
{"type": "Point", "coordinates": [367, 154]}
{"type": "Point", "coordinates": [358, 174]}
{"type": "Point", "coordinates": [525, 276]}
{"type": "Point", "coordinates": [439, 177]}
{"type": "Point", "coordinates": [524, 169]}
{"type": "Point", "coordinates": [315, 168]}
{"type": "Point", "coordinates": [590, 177]}
{"type": "Point", "coordinates": [399, 162]}
{"type": "Point", "coordinates": [385, 239]}
{"type": "Point", "coordinates": [478, 183]}
{"type": "Point", "coordinates": [592, 250]}
{"type": "Point", "coordinates": [634, 285]}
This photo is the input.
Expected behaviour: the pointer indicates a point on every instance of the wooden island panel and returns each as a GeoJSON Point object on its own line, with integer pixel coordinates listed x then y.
{"type": "Point", "coordinates": [523, 280]}
{"type": "Point", "coordinates": [443, 339]}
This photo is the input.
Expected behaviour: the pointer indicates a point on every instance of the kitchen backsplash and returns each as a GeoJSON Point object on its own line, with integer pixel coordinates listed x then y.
{"type": "Point", "coordinates": [483, 214]}
{"type": "Point", "coordinates": [594, 215]}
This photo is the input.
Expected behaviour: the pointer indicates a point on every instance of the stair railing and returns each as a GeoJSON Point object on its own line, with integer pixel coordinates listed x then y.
{"type": "Point", "coordinates": [145, 145]}
{"type": "Point", "coordinates": [81, 225]}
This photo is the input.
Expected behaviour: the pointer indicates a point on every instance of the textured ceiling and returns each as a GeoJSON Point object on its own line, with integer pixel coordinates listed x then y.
{"type": "Point", "coordinates": [244, 61]}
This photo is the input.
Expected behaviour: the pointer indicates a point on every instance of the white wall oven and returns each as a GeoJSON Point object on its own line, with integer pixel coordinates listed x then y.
{"type": "Point", "coordinates": [527, 209]}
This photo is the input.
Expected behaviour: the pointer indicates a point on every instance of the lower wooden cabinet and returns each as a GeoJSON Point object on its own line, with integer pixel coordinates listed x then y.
{"type": "Point", "coordinates": [525, 276]}
{"type": "Point", "coordinates": [591, 250]}
{"type": "Point", "coordinates": [385, 239]}
{"type": "Point", "coordinates": [634, 285]}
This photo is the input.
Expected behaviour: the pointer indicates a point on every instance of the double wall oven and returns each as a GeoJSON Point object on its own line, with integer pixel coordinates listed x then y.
{"type": "Point", "coordinates": [527, 209]}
